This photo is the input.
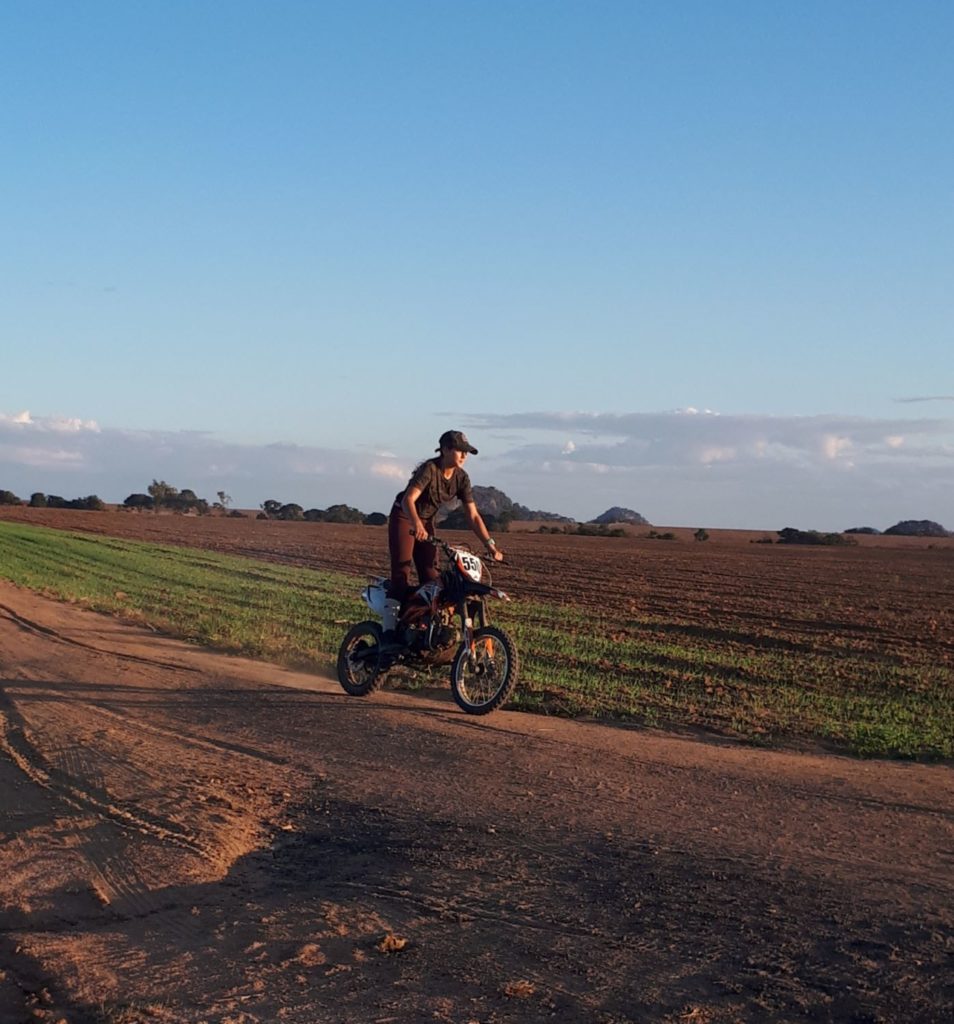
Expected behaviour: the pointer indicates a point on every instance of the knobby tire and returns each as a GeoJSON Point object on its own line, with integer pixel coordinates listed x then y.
{"type": "Point", "coordinates": [360, 685]}
{"type": "Point", "coordinates": [462, 668]}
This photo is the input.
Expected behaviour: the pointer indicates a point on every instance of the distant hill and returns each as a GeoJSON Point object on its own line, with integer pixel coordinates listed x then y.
{"type": "Point", "coordinates": [870, 530]}
{"type": "Point", "coordinates": [917, 528]}
{"type": "Point", "coordinates": [616, 514]}
{"type": "Point", "coordinates": [491, 501]}
{"type": "Point", "coordinates": [525, 514]}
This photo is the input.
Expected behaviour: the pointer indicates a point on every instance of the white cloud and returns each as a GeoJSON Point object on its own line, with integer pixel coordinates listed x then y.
{"type": "Point", "coordinates": [390, 471]}
{"type": "Point", "coordinates": [52, 424]}
{"type": "Point", "coordinates": [38, 457]}
{"type": "Point", "coordinates": [68, 456]}
{"type": "Point", "coordinates": [710, 455]}
{"type": "Point", "coordinates": [833, 446]}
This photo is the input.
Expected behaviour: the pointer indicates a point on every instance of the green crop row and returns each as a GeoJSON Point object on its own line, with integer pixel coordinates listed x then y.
{"type": "Point", "coordinates": [574, 661]}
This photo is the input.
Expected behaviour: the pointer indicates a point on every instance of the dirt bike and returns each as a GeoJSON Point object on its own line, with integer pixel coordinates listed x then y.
{"type": "Point", "coordinates": [444, 621]}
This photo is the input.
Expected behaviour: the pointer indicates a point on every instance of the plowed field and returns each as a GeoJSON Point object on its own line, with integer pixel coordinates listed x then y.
{"type": "Point", "coordinates": [892, 597]}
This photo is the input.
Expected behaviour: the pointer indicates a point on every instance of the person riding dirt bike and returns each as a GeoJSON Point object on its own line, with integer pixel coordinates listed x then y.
{"type": "Point", "coordinates": [445, 619]}
{"type": "Point", "coordinates": [411, 523]}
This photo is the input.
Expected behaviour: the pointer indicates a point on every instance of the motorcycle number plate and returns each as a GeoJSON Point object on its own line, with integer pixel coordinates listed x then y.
{"type": "Point", "coordinates": [469, 565]}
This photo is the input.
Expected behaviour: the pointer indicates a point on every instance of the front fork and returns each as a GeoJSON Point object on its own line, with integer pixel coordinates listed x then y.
{"type": "Point", "coordinates": [472, 617]}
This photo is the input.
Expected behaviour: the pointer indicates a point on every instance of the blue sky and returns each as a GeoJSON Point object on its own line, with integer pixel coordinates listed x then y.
{"type": "Point", "coordinates": [691, 258]}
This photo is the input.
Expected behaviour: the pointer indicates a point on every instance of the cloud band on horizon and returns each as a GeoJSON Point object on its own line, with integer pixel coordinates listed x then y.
{"type": "Point", "coordinates": [690, 437]}
{"type": "Point", "coordinates": [927, 398]}
{"type": "Point", "coordinates": [679, 467]}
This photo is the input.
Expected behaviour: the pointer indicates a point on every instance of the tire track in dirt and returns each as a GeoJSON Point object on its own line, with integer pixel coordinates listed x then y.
{"type": "Point", "coordinates": [15, 743]}
{"type": "Point", "coordinates": [55, 635]}
{"type": "Point", "coordinates": [115, 879]}
{"type": "Point", "coordinates": [849, 800]}
{"type": "Point", "coordinates": [221, 827]}
{"type": "Point", "coordinates": [107, 839]}
{"type": "Point", "coordinates": [215, 746]}
{"type": "Point", "coordinates": [462, 909]}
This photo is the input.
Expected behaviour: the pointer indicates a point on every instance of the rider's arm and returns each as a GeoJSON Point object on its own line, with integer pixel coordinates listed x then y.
{"type": "Point", "coordinates": [477, 525]}
{"type": "Point", "coordinates": [409, 504]}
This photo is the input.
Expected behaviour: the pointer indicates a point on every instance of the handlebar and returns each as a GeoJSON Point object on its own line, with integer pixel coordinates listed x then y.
{"type": "Point", "coordinates": [437, 542]}
{"type": "Point", "coordinates": [432, 539]}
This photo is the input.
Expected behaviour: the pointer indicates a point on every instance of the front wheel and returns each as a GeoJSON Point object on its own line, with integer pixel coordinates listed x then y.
{"type": "Point", "coordinates": [359, 660]}
{"type": "Point", "coordinates": [484, 675]}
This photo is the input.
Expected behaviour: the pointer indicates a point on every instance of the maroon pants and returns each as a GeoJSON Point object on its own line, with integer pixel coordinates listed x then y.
{"type": "Point", "coordinates": [404, 550]}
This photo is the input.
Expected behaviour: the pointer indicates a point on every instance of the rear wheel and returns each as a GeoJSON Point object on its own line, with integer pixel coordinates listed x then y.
{"type": "Point", "coordinates": [359, 660]}
{"type": "Point", "coordinates": [484, 675]}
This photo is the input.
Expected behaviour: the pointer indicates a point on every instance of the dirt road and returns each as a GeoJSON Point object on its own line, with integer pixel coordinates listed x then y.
{"type": "Point", "coordinates": [191, 837]}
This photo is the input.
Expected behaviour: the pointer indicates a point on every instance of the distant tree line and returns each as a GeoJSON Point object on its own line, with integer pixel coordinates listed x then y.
{"type": "Point", "coordinates": [583, 530]}
{"type": "Point", "coordinates": [906, 528]}
{"type": "Point", "coordinates": [91, 503]}
{"type": "Point", "coordinates": [292, 512]}
{"type": "Point", "coordinates": [162, 495]}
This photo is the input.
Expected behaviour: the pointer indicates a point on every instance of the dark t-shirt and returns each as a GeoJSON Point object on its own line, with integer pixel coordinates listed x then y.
{"type": "Point", "coordinates": [435, 490]}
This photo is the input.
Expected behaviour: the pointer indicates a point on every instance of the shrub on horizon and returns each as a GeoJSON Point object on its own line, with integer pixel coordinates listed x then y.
{"type": "Point", "coordinates": [597, 530]}
{"type": "Point", "coordinates": [917, 528]}
{"type": "Point", "coordinates": [789, 535]}
{"type": "Point", "coordinates": [161, 493]}
{"type": "Point", "coordinates": [343, 514]}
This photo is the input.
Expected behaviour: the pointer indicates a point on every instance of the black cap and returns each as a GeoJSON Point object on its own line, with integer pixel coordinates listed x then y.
{"type": "Point", "coordinates": [456, 439]}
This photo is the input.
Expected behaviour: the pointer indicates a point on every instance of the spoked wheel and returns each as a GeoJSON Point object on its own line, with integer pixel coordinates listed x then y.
{"type": "Point", "coordinates": [359, 660]}
{"type": "Point", "coordinates": [484, 676]}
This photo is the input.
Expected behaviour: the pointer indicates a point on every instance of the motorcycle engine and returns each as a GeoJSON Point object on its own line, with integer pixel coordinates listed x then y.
{"type": "Point", "coordinates": [425, 638]}
{"type": "Point", "coordinates": [444, 636]}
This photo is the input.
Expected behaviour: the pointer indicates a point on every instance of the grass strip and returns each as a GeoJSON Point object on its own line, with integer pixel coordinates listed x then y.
{"type": "Point", "coordinates": [574, 661]}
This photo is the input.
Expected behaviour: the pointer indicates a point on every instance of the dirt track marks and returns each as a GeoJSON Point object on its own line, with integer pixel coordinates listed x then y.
{"type": "Point", "coordinates": [177, 736]}
{"type": "Point", "coordinates": [80, 793]}
{"type": "Point", "coordinates": [55, 635]}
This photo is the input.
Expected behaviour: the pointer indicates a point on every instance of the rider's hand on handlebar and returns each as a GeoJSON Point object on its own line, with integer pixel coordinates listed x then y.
{"type": "Point", "coordinates": [495, 553]}
{"type": "Point", "coordinates": [420, 532]}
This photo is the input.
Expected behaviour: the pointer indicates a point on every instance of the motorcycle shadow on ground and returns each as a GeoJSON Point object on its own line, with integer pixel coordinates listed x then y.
{"type": "Point", "coordinates": [416, 877]}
